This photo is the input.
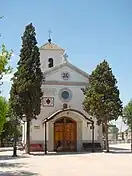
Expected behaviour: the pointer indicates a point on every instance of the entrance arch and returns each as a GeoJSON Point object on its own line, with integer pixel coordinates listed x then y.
{"type": "Point", "coordinates": [65, 134]}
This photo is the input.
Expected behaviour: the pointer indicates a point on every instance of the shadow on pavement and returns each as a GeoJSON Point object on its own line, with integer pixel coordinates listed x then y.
{"type": "Point", "coordinates": [20, 173]}
{"type": "Point", "coordinates": [9, 157]}
{"type": "Point", "coordinates": [9, 165]}
{"type": "Point", "coordinates": [6, 149]}
{"type": "Point", "coordinates": [60, 153]}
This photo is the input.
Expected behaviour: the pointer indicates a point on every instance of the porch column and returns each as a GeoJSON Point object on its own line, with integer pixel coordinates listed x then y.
{"type": "Point", "coordinates": [92, 136]}
{"type": "Point", "coordinates": [45, 127]}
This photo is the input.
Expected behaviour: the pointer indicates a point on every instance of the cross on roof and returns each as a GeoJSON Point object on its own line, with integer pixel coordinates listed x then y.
{"type": "Point", "coordinates": [65, 57]}
{"type": "Point", "coordinates": [50, 32]}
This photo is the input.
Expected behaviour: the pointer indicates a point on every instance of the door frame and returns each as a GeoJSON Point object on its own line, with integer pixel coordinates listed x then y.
{"type": "Point", "coordinates": [75, 130]}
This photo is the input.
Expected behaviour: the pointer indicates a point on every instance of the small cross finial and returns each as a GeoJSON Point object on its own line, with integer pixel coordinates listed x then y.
{"type": "Point", "coordinates": [49, 31]}
{"type": "Point", "coordinates": [65, 57]}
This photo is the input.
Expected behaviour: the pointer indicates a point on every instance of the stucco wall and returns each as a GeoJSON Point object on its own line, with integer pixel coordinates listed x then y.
{"type": "Point", "coordinates": [54, 83]}
{"type": "Point", "coordinates": [75, 102]}
{"type": "Point", "coordinates": [73, 75]}
{"type": "Point", "coordinates": [84, 133]}
{"type": "Point", "coordinates": [46, 54]}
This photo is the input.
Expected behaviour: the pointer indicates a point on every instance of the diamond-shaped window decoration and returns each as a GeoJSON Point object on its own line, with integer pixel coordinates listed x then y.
{"type": "Point", "coordinates": [48, 101]}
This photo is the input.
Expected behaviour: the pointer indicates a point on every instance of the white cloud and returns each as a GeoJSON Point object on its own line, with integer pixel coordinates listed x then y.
{"type": "Point", "coordinates": [13, 55]}
{"type": "Point", "coordinates": [7, 77]}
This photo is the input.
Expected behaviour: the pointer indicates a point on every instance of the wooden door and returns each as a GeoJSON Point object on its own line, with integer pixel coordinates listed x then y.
{"type": "Point", "coordinates": [70, 135]}
{"type": "Point", "coordinates": [65, 135]}
{"type": "Point", "coordinates": [59, 135]}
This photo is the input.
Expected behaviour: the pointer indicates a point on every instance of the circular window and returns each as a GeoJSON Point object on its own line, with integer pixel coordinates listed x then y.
{"type": "Point", "coordinates": [65, 94]}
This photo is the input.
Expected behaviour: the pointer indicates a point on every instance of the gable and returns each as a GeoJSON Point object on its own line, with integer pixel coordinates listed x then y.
{"type": "Point", "coordinates": [66, 73]}
{"type": "Point", "coordinates": [50, 46]}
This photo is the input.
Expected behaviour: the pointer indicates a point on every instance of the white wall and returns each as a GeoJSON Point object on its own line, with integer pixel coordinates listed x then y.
{"type": "Point", "coordinates": [46, 54]}
{"type": "Point", "coordinates": [74, 76]}
{"type": "Point", "coordinates": [37, 134]}
{"type": "Point", "coordinates": [75, 102]}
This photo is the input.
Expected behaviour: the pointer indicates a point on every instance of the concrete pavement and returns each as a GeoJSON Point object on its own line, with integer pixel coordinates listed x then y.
{"type": "Point", "coordinates": [2, 149]}
{"type": "Point", "coordinates": [95, 164]}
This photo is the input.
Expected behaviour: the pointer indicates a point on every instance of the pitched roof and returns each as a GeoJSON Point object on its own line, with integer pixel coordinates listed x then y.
{"type": "Point", "coordinates": [68, 64]}
{"type": "Point", "coordinates": [51, 46]}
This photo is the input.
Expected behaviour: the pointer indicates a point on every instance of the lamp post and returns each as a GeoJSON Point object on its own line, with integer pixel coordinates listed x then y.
{"type": "Point", "coordinates": [15, 139]}
{"type": "Point", "coordinates": [92, 128]}
{"type": "Point", "coordinates": [24, 130]}
{"type": "Point", "coordinates": [15, 134]}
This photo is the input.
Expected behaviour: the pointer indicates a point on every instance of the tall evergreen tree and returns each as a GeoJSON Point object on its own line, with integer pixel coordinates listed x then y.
{"type": "Point", "coordinates": [102, 97]}
{"type": "Point", "coordinates": [25, 95]}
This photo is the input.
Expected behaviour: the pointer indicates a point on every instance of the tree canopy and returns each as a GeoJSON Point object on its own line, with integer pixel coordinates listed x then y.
{"type": "Point", "coordinates": [25, 94]}
{"type": "Point", "coordinates": [11, 127]}
{"type": "Point", "coordinates": [127, 114]}
{"type": "Point", "coordinates": [102, 96]}
{"type": "Point", "coordinates": [3, 112]}
{"type": "Point", "coordinates": [4, 69]}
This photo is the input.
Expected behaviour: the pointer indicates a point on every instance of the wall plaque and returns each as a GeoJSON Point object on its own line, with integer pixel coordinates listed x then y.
{"type": "Point", "coordinates": [36, 127]}
{"type": "Point", "coordinates": [48, 101]}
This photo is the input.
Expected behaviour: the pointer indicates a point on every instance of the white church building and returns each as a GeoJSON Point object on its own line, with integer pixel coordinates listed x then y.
{"type": "Point", "coordinates": [62, 125]}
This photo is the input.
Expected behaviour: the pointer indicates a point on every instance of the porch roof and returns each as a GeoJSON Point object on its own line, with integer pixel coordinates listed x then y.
{"type": "Point", "coordinates": [52, 116]}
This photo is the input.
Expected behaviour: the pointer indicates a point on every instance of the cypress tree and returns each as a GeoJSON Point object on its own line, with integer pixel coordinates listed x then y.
{"type": "Point", "coordinates": [102, 97]}
{"type": "Point", "coordinates": [25, 95]}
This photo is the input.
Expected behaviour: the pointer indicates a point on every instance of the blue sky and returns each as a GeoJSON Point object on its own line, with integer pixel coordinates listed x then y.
{"type": "Point", "coordinates": [89, 30]}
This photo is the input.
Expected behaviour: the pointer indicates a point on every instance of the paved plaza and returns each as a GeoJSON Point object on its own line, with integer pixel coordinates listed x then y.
{"type": "Point", "coordinates": [116, 163]}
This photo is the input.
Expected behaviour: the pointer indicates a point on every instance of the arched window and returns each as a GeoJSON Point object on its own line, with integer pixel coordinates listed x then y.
{"type": "Point", "coordinates": [51, 63]}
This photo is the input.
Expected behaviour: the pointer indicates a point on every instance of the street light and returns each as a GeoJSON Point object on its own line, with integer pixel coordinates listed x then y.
{"type": "Point", "coordinates": [24, 137]}
{"type": "Point", "coordinates": [15, 135]}
{"type": "Point", "coordinates": [15, 139]}
{"type": "Point", "coordinates": [92, 128]}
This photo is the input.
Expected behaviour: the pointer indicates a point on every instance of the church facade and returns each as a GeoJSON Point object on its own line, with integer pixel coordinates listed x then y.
{"type": "Point", "coordinates": [62, 125]}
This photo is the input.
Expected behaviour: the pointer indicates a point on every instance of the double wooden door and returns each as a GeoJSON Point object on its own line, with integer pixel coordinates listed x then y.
{"type": "Point", "coordinates": [65, 135]}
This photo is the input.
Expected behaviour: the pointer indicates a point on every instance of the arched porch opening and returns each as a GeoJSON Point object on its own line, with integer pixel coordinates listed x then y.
{"type": "Point", "coordinates": [64, 113]}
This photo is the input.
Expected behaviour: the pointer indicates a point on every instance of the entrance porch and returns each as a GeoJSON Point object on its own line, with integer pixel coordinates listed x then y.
{"type": "Point", "coordinates": [65, 131]}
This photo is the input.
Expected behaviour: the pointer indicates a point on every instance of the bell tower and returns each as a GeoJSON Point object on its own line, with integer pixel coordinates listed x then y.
{"type": "Point", "coordinates": [50, 55]}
